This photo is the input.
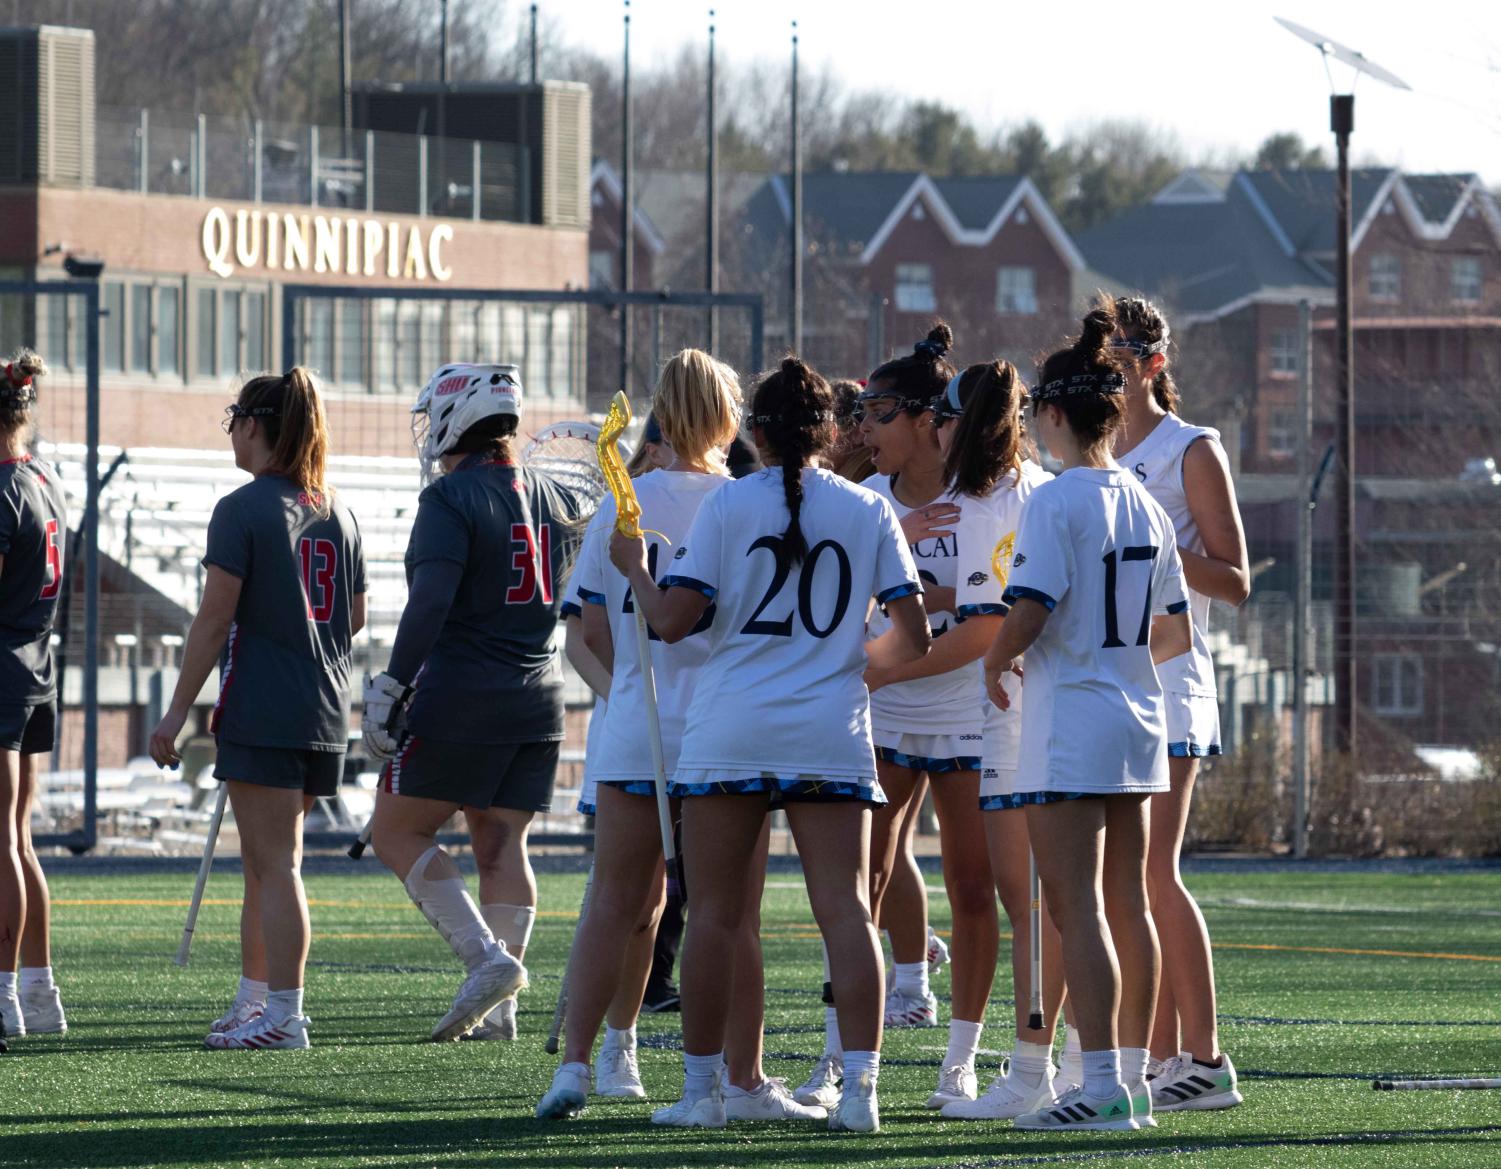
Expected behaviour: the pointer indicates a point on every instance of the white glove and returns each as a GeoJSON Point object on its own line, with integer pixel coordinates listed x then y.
{"type": "Point", "coordinates": [384, 719]}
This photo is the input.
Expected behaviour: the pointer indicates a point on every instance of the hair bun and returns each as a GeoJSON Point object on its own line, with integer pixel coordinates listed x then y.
{"type": "Point", "coordinates": [792, 366]}
{"type": "Point", "coordinates": [936, 345]}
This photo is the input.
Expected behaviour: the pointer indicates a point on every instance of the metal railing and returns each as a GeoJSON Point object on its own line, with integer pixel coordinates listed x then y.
{"type": "Point", "coordinates": [253, 161]}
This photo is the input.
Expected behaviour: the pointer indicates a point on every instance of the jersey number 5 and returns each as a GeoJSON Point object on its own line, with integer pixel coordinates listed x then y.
{"type": "Point", "coordinates": [533, 563]}
{"type": "Point", "coordinates": [319, 561]}
{"type": "Point", "coordinates": [54, 582]}
{"type": "Point", "coordinates": [1112, 626]}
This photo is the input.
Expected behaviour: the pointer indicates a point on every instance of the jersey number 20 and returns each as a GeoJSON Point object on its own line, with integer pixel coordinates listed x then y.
{"type": "Point", "coordinates": [320, 560]}
{"type": "Point", "coordinates": [1112, 625]}
{"type": "Point", "coordinates": [806, 571]}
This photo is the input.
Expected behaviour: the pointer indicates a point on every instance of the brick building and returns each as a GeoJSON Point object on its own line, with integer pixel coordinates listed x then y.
{"type": "Point", "coordinates": [1231, 255]}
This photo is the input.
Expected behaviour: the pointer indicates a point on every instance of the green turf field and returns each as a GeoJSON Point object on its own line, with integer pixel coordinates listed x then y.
{"type": "Point", "coordinates": [1326, 980]}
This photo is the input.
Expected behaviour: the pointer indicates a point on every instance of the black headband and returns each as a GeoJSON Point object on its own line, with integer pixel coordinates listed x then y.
{"type": "Point", "coordinates": [1110, 382]}
{"type": "Point", "coordinates": [816, 417]}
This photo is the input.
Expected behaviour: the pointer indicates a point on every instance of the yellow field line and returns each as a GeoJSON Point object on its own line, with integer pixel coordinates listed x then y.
{"type": "Point", "coordinates": [1361, 953]}
{"type": "Point", "coordinates": [313, 902]}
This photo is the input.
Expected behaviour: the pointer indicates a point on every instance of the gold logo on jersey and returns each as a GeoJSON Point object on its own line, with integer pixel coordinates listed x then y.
{"type": "Point", "coordinates": [1000, 559]}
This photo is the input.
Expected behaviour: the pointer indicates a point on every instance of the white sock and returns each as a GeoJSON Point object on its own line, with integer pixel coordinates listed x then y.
{"type": "Point", "coordinates": [36, 976]}
{"type": "Point", "coordinates": [1134, 1064]}
{"type": "Point", "coordinates": [7, 982]}
{"type": "Point", "coordinates": [700, 1073]}
{"type": "Point", "coordinates": [282, 1005]}
{"type": "Point", "coordinates": [1030, 1061]}
{"type": "Point", "coordinates": [620, 1040]}
{"type": "Point", "coordinates": [1102, 1072]}
{"type": "Point", "coordinates": [1071, 1045]}
{"type": "Point", "coordinates": [964, 1041]}
{"type": "Point", "coordinates": [511, 924]}
{"type": "Point", "coordinates": [445, 902]}
{"type": "Point", "coordinates": [856, 1062]}
{"type": "Point", "coordinates": [831, 1043]}
{"type": "Point", "coordinates": [911, 978]}
{"type": "Point", "coordinates": [251, 991]}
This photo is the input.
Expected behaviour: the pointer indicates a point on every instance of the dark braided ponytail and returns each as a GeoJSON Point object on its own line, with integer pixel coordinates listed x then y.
{"type": "Point", "coordinates": [920, 376]}
{"type": "Point", "coordinates": [794, 407]}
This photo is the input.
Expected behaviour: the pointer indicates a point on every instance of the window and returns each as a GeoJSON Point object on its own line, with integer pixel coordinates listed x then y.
{"type": "Point", "coordinates": [1386, 278]}
{"type": "Point", "coordinates": [140, 327]}
{"type": "Point", "coordinates": [602, 269]}
{"type": "Point", "coordinates": [914, 288]}
{"type": "Point", "coordinates": [562, 352]}
{"type": "Point", "coordinates": [207, 314]}
{"type": "Point", "coordinates": [168, 334]}
{"type": "Point", "coordinates": [320, 336]}
{"type": "Point", "coordinates": [1282, 433]}
{"type": "Point", "coordinates": [534, 364]}
{"type": "Point", "coordinates": [1284, 352]}
{"type": "Point", "coordinates": [1016, 291]}
{"type": "Point", "coordinates": [113, 326]}
{"type": "Point", "coordinates": [1466, 279]}
{"type": "Point", "coordinates": [409, 370]}
{"type": "Point", "coordinates": [1397, 684]}
{"type": "Point", "coordinates": [255, 330]}
{"type": "Point", "coordinates": [58, 348]}
{"type": "Point", "coordinates": [352, 342]}
{"type": "Point", "coordinates": [229, 334]}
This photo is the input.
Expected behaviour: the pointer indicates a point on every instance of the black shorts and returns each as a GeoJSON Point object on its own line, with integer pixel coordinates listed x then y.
{"type": "Point", "coordinates": [518, 776]}
{"type": "Point", "coordinates": [29, 727]}
{"type": "Point", "coordinates": [314, 773]}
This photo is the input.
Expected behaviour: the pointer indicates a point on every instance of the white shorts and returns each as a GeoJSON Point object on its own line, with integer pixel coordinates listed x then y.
{"type": "Point", "coordinates": [934, 754]}
{"type": "Point", "coordinates": [997, 788]}
{"type": "Point", "coordinates": [1193, 725]}
{"type": "Point", "coordinates": [689, 782]}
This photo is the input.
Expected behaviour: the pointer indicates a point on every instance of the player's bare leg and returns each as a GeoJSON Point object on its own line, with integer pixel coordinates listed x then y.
{"type": "Point", "coordinates": [12, 891]}
{"type": "Point", "coordinates": [976, 934]}
{"type": "Point", "coordinates": [508, 895]}
{"type": "Point", "coordinates": [625, 1006]}
{"type": "Point", "coordinates": [911, 1002]}
{"type": "Point", "coordinates": [1135, 939]}
{"type": "Point", "coordinates": [41, 1004]}
{"type": "Point", "coordinates": [904, 901]}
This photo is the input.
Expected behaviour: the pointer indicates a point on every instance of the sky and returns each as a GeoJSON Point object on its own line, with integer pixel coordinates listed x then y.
{"type": "Point", "coordinates": [1217, 76]}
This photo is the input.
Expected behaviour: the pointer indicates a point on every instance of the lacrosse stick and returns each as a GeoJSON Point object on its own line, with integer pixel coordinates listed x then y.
{"type": "Point", "coordinates": [1034, 896]}
{"type": "Point", "coordinates": [628, 523]}
{"type": "Point", "coordinates": [1441, 1085]}
{"type": "Point", "coordinates": [560, 1012]}
{"type": "Point", "coordinates": [357, 849]}
{"type": "Point", "coordinates": [208, 860]}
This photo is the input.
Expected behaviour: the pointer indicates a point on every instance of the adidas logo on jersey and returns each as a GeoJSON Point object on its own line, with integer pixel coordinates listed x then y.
{"type": "Point", "coordinates": [978, 578]}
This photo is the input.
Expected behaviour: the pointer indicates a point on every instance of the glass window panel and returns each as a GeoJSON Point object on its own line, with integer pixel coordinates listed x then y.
{"type": "Point", "coordinates": [487, 346]}
{"type": "Point", "coordinates": [255, 330]}
{"type": "Point", "coordinates": [56, 309]}
{"type": "Point", "coordinates": [562, 352]}
{"type": "Point", "coordinates": [914, 288]}
{"type": "Point", "coordinates": [208, 314]}
{"type": "Point", "coordinates": [114, 325]}
{"type": "Point", "coordinates": [167, 332]}
{"type": "Point", "coordinates": [140, 326]}
{"type": "Point", "coordinates": [462, 324]}
{"type": "Point", "coordinates": [229, 333]}
{"type": "Point", "coordinates": [510, 345]}
{"type": "Point", "coordinates": [1016, 290]}
{"type": "Point", "coordinates": [320, 337]}
{"type": "Point", "coordinates": [408, 347]}
{"type": "Point", "coordinates": [352, 342]}
{"type": "Point", "coordinates": [383, 356]}
{"type": "Point", "coordinates": [534, 376]}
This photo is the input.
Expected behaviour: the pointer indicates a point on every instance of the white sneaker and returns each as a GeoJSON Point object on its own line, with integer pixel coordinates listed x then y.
{"type": "Point", "coordinates": [1141, 1104]}
{"type": "Point", "coordinates": [568, 1094]}
{"type": "Point", "coordinates": [237, 1016]}
{"type": "Point", "coordinates": [857, 1110]}
{"type": "Point", "coordinates": [1007, 1097]}
{"type": "Point", "coordinates": [498, 978]}
{"type": "Point", "coordinates": [1155, 1067]}
{"type": "Point", "coordinates": [1070, 1073]}
{"type": "Point", "coordinates": [11, 1016]}
{"type": "Point", "coordinates": [617, 1074]}
{"type": "Point", "coordinates": [1186, 1086]}
{"type": "Point", "coordinates": [261, 1033]}
{"type": "Point", "coordinates": [821, 1088]}
{"type": "Point", "coordinates": [707, 1112]}
{"type": "Point", "coordinates": [499, 1023]}
{"type": "Point", "coordinates": [938, 953]}
{"type": "Point", "coordinates": [1077, 1111]}
{"type": "Point", "coordinates": [910, 1010]}
{"type": "Point", "coordinates": [955, 1083]}
{"type": "Point", "coordinates": [42, 1008]}
{"type": "Point", "coordinates": [771, 1101]}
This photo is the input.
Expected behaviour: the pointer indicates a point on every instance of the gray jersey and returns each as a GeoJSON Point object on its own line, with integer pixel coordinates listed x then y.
{"type": "Point", "coordinates": [284, 676]}
{"type": "Point", "coordinates": [493, 676]}
{"type": "Point", "coordinates": [33, 532]}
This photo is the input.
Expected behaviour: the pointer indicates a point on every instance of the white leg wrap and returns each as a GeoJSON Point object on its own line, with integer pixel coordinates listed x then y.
{"type": "Point", "coordinates": [445, 902]}
{"type": "Point", "coordinates": [511, 924]}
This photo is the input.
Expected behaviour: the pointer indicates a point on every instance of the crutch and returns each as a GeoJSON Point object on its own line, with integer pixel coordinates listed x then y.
{"type": "Point", "coordinates": [208, 860]}
{"type": "Point", "coordinates": [560, 1012]}
{"type": "Point", "coordinates": [1034, 896]}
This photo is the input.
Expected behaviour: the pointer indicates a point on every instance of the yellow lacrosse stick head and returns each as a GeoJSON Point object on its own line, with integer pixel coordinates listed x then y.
{"type": "Point", "coordinates": [612, 467]}
{"type": "Point", "coordinates": [1000, 559]}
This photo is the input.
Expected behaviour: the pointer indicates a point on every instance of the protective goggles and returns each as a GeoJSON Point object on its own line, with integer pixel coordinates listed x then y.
{"type": "Point", "coordinates": [947, 406]}
{"type": "Point", "coordinates": [1140, 349]}
{"type": "Point", "coordinates": [234, 412]}
{"type": "Point", "coordinates": [862, 409]}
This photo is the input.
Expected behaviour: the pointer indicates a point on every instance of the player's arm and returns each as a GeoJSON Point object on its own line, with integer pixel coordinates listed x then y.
{"type": "Point", "coordinates": [1170, 636]}
{"type": "Point", "coordinates": [673, 612]}
{"type": "Point", "coordinates": [206, 637]}
{"type": "Point", "coordinates": [909, 625]}
{"type": "Point", "coordinates": [964, 642]}
{"type": "Point", "coordinates": [1223, 571]}
{"type": "Point", "coordinates": [1022, 626]}
{"type": "Point", "coordinates": [359, 609]}
{"type": "Point", "coordinates": [434, 584]}
{"type": "Point", "coordinates": [591, 647]}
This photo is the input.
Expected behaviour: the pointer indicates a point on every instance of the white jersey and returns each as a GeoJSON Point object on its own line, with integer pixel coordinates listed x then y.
{"type": "Point", "coordinates": [1157, 462]}
{"type": "Point", "coordinates": [987, 539]}
{"type": "Point", "coordinates": [1101, 555]}
{"type": "Point", "coordinates": [783, 690]}
{"type": "Point", "coordinates": [572, 607]}
{"type": "Point", "coordinates": [942, 704]}
{"type": "Point", "coordinates": [669, 501]}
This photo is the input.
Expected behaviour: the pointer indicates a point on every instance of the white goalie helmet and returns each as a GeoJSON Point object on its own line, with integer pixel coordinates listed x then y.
{"type": "Point", "coordinates": [454, 399]}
